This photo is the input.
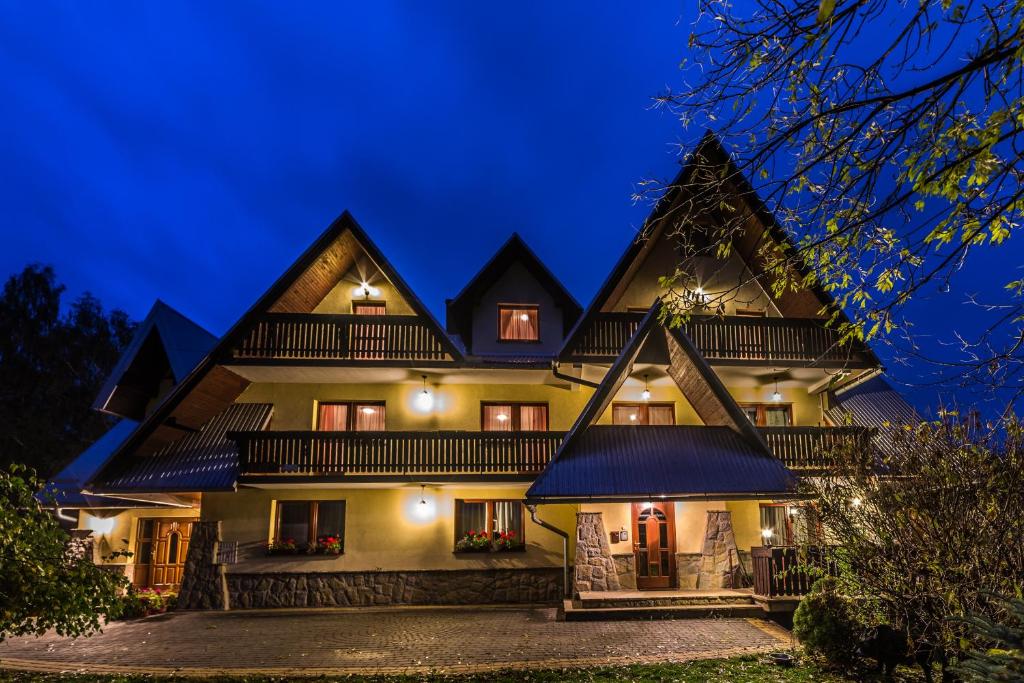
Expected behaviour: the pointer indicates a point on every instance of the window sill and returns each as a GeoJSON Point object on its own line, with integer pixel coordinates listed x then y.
{"type": "Point", "coordinates": [302, 556]}
{"type": "Point", "coordinates": [490, 551]}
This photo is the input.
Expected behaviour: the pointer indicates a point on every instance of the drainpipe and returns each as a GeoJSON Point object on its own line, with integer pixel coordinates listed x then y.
{"type": "Point", "coordinates": [565, 547]}
{"type": "Point", "coordinates": [570, 378]}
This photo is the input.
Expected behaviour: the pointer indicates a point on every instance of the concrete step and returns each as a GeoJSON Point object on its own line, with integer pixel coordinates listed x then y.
{"type": "Point", "coordinates": [643, 599]}
{"type": "Point", "coordinates": [574, 613]}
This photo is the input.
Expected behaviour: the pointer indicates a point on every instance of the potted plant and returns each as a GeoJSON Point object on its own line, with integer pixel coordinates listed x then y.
{"type": "Point", "coordinates": [508, 541]}
{"type": "Point", "coordinates": [328, 545]}
{"type": "Point", "coordinates": [474, 542]}
{"type": "Point", "coordinates": [283, 547]}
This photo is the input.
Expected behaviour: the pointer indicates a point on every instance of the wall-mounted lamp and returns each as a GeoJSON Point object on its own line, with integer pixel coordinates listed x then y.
{"type": "Point", "coordinates": [425, 400]}
{"type": "Point", "coordinates": [365, 290]}
{"type": "Point", "coordinates": [646, 393]}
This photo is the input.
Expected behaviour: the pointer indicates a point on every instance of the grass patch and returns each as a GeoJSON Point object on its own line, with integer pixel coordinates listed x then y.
{"type": "Point", "coordinates": [746, 669]}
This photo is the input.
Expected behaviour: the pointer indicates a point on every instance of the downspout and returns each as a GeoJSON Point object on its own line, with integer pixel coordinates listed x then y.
{"type": "Point", "coordinates": [570, 378]}
{"type": "Point", "coordinates": [565, 547]}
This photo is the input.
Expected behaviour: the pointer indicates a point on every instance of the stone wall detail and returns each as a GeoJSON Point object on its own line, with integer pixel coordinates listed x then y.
{"type": "Point", "coordinates": [594, 569]}
{"type": "Point", "coordinates": [203, 585]}
{"type": "Point", "coordinates": [364, 589]}
{"type": "Point", "coordinates": [625, 569]}
{"type": "Point", "coordinates": [688, 570]}
{"type": "Point", "coordinates": [719, 562]}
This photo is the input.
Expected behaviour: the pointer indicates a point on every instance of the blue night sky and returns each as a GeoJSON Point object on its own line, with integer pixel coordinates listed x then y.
{"type": "Point", "coordinates": [192, 151]}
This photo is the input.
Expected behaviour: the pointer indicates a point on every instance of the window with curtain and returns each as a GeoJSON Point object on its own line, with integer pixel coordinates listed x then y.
{"type": "Point", "coordinates": [304, 521]}
{"type": "Point", "coordinates": [791, 524]}
{"type": "Point", "coordinates": [769, 414]}
{"type": "Point", "coordinates": [359, 416]}
{"type": "Point", "coordinates": [494, 517]}
{"type": "Point", "coordinates": [369, 307]}
{"type": "Point", "coordinates": [643, 413]}
{"type": "Point", "coordinates": [518, 322]}
{"type": "Point", "coordinates": [514, 417]}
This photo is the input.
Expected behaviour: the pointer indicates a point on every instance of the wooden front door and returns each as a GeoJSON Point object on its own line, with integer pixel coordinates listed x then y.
{"type": "Point", "coordinates": [654, 545]}
{"type": "Point", "coordinates": [162, 549]}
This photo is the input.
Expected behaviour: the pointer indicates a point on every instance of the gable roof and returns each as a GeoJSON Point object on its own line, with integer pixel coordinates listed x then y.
{"type": "Point", "coordinates": [165, 336]}
{"type": "Point", "coordinates": [459, 311]}
{"type": "Point", "coordinates": [592, 461]}
{"type": "Point", "coordinates": [709, 151]}
{"type": "Point", "coordinates": [209, 388]}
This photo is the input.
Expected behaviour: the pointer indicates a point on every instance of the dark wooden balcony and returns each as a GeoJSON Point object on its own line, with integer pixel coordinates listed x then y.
{"type": "Point", "coordinates": [806, 449]}
{"type": "Point", "coordinates": [782, 571]}
{"type": "Point", "coordinates": [314, 337]}
{"type": "Point", "coordinates": [733, 340]}
{"type": "Point", "coordinates": [448, 454]}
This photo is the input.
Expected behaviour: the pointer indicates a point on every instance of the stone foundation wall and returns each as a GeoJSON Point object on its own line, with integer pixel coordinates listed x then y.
{"type": "Point", "coordinates": [595, 570]}
{"type": "Point", "coordinates": [687, 570]}
{"type": "Point", "coordinates": [625, 569]}
{"type": "Point", "coordinates": [203, 585]}
{"type": "Point", "coordinates": [363, 589]}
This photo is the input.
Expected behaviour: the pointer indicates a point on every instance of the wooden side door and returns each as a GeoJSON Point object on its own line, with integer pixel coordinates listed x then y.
{"type": "Point", "coordinates": [654, 545]}
{"type": "Point", "coordinates": [170, 549]}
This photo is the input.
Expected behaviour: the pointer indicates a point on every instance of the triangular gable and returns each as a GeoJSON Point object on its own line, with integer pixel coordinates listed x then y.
{"type": "Point", "coordinates": [210, 388]}
{"type": "Point", "coordinates": [708, 153]}
{"type": "Point", "coordinates": [165, 343]}
{"type": "Point", "coordinates": [460, 309]}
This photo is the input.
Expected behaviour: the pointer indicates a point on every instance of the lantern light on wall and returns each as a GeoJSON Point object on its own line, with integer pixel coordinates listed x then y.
{"type": "Point", "coordinates": [646, 393]}
{"type": "Point", "coordinates": [425, 400]}
{"type": "Point", "coordinates": [776, 395]}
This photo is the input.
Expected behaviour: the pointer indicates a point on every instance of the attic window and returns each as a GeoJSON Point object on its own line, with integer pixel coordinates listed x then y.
{"type": "Point", "coordinates": [518, 322]}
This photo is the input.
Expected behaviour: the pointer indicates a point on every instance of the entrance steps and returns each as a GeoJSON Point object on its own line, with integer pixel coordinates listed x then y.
{"type": "Point", "coordinates": [677, 604]}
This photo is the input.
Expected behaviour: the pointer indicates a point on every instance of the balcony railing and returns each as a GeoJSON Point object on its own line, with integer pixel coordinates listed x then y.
{"type": "Point", "coordinates": [782, 571]}
{"type": "Point", "coordinates": [732, 340]}
{"type": "Point", "coordinates": [807, 448]}
{"type": "Point", "coordinates": [297, 336]}
{"type": "Point", "coordinates": [395, 453]}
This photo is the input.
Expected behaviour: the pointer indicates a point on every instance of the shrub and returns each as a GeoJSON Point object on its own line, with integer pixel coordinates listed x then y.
{"type": "Point", "coordinates": [824, 623]}
{"type": "Point", "coordinates": [136, 603]}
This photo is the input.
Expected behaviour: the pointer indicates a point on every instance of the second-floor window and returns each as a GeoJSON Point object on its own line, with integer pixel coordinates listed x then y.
{"type": "Point", "coordinates": [643, 413]}
{"type": "Point", "coordinates": [769, 414]}
{"type": "Point", "coordinates": [351, 416]}
{"type": "Point", "coordinates": [518, 322]}
{"type": "Point", "coordinates": [514, 417]}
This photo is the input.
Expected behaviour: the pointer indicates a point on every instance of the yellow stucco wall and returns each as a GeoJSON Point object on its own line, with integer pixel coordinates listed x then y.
{"type": "Point", "coordinates": [112, 527]}
{"type": "Point", "coordinates": [384, 529]}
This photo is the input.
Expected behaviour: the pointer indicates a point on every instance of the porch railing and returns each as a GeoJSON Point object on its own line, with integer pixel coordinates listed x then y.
{"type": "Point", "coordinates": [808, 448]}
{"type": "Point", "coordinates": [732, 340]}
{"type": "Point", "coordinates": [782, 571]}
{"type": "Point", "coordinates": [298, 336]}
{"type": "Point", "coordinates": [395, 453]}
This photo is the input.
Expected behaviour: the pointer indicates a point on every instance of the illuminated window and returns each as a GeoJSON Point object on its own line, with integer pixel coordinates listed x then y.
{"type": "Point", "coordinates": [492, 517]}
{"type": "Point", "coordinates": [790, 524]}
{"type": "Point", "coordinates": [302, 522]}
{"type": "Point", "coordinates": [518, 322]}
{"type": "Point", "coordinates": [514, 417]}
{"type": "Point", "coordinates": [769, 414]}
{"type": "Point", "coordinates": [643, 413]}
{"type": "Point", "coordinates": [351, 416]}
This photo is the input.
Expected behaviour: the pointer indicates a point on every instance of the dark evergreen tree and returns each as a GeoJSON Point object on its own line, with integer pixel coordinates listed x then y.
{"type": "Point", "coordinates": [52, 365]}
{"type": "Point", "coordinates": [1003, 659]}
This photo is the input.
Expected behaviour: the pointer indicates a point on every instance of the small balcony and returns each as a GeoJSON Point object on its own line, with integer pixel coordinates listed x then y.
{"type": "Point", "coordinates": [299, 337]}
{"type": "Point", "coordinates": [372, 455]}
{"type": "Point", "coordinates": [733, 340]}
{"type": "Point", "coordinates": [806, 449]}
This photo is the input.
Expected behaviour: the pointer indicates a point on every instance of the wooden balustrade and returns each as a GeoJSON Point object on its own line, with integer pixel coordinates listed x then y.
{"type": "Point", "coordinates": [733, 340]}
{"type": "Point", "coordinates": [807, 448]}
{"type": "Point", "coordinates": [782, 571]}
{"type": "Point", "coordinates": [293, 336]}
{"type": "Point", "coordinates": [395, 453]}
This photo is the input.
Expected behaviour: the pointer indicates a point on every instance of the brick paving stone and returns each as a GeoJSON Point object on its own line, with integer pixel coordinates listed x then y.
{"type": "Point", "coordinates": [386, 641]}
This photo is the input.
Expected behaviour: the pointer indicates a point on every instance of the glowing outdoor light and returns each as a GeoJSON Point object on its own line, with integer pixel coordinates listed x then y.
{"type": "Point", "coordinates": [425, 400]}
{"type": "Point", "coordinates": [776, 395]}
{"type": "Point", "coordinates": [423, 487]}
{"type": "Point", "coordinates": [365, 289]}
{"type": "Point", "coordinates": [646, 393]}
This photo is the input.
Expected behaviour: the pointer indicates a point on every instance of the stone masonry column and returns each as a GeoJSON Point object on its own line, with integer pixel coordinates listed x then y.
{"type": "Point", "coordinates": [203, 585]}
{"type": "Point", "coordinates": [719, 560]}
{"type": "Point", "coordinates": [594, 568]}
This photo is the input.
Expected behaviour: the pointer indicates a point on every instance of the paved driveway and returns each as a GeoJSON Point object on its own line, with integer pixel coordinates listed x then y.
{"type": "Point", "coordinates": [395, 640]}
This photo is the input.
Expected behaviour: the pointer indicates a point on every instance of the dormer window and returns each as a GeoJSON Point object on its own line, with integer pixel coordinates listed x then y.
{"type": "Point", "coordinates": [518, 322]}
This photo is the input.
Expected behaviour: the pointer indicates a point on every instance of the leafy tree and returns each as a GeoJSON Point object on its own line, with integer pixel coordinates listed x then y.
{"type": "Point", "coordinates": [887, 139]}
{"type": "Point", "coordinates": [52, 365]}
{"type": "Point", "coordinates": [47, 580]}
{"type": "Point", "coordinates": [924, 534]}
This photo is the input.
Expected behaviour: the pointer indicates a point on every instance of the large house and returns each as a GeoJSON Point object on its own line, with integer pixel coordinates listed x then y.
{"type": "Point", "coordinates": [339, 446]}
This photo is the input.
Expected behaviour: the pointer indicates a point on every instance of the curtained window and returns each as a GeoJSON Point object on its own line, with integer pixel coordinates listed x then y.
{"type": "Point", "coordinates": [518, 322]}
{"type": "Point", "coordinates": [769, 414]}
{"type": "Point", "coordinates": [490, 516]}
{"type": "Point", "coordinates": [514, 417]}
{"type": "Point", "coordinates": [359, 416]}
{"type": "Point", "coordinates": [304, 521]}
{"type": "Point", "coordinates": [791, 524]}
{"type": "Point", "coordinates": [643, 413]}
